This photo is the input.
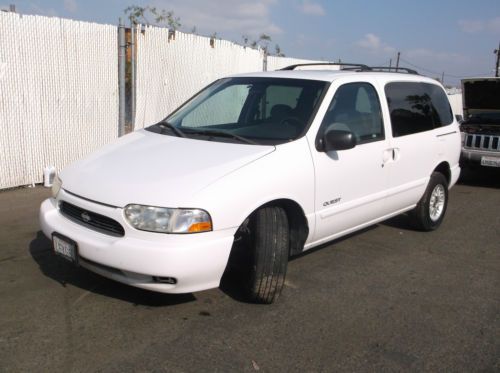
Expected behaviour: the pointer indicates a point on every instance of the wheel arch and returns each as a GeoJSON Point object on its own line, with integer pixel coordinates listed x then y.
{"type": "Point", "coordinates": [444, 168]}
{"type": "Point", "coordinates": [298, 224]}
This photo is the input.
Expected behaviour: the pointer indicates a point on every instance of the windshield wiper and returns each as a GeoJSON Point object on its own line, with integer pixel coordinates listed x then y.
{"type": "Point", "coordinates": [163, 125]}
{"type": "Point", "coordinates": [221, 134]}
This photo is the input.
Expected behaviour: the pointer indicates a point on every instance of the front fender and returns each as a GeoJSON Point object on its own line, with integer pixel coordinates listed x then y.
{"type": "Point", "coordinates": [287, 173]}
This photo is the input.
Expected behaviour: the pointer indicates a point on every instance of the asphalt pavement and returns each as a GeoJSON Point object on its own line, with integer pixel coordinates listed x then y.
{"type": "Point", "coordinates": [384, 299]}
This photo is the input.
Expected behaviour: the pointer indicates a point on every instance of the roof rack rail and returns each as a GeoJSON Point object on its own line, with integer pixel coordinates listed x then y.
{"type": "Point", "coordinates": [394, 69]}
{"type": "Point", "coordinates": [359, 66]}
{"type": "Point", "coordinates": [355, 67]}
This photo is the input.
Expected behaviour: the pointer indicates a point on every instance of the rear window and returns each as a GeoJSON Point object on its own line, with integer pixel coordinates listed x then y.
{"type": "Point", "coordinates": [417, 107]}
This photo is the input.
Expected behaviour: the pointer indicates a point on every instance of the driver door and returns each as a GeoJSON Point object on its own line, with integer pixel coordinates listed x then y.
{"type": "Point", "coordinates": [351, 184]}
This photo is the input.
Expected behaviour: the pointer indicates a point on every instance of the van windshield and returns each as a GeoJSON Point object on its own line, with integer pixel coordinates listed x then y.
{"type": "Point", "coordinates": [247, 110]}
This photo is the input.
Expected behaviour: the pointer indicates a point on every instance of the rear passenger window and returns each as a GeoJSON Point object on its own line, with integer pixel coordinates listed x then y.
{"type": "Point", "coordinates": [417, 107]}
{"type": "Point", "coordinates": [356, 108]}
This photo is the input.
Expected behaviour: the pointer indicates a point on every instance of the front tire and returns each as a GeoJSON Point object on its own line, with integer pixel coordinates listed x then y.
{"type": "Point", "coordinates": [271, 242]}
{"type": "Point", "coordinates": [430, 210]}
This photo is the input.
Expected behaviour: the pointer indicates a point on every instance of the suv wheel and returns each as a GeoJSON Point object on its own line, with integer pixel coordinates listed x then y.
{"type": "Point", "coordinates": [430, 210]}
{"type": "Point", "coordinates": [271, 241]}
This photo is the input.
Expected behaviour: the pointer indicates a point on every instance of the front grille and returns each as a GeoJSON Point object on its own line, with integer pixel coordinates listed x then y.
{"type": "Point", "coordinates": [92, 220]}
{"type": "Point", "coordinates": [482, 142]}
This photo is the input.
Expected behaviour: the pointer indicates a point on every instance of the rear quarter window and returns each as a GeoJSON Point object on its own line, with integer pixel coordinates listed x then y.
{"type": "Point", "coordinates": [417, 107]}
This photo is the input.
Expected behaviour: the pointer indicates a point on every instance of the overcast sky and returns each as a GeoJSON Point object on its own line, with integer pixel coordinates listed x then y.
{"type": "Point", "coordinates": [456, 37]}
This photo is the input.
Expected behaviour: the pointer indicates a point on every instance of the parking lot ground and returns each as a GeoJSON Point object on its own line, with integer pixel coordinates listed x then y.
{"type": "Point", "coordinates": [387, 298]}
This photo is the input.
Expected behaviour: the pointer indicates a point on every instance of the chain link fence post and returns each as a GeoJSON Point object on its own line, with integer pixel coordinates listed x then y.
{"type": "Point", "coordinates": [132, 73]}
{"type": "Point", "coordinates": [122, 50]}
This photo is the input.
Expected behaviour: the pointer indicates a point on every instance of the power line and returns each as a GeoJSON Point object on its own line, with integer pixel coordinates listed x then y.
{"type": "Point", "coordinates": [438, 73]}
{"type": "Point", "coordinates": [425, 69]}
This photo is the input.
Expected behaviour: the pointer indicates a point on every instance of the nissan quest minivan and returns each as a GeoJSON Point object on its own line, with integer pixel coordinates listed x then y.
{"type": "Point", "coordinates": [270, 164]}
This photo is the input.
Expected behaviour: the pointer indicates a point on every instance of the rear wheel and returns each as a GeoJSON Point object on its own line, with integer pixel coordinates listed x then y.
{"type": "Point", "coordinates": [430, 210]}
{"type": "Point", "coordinates": [270, 246]}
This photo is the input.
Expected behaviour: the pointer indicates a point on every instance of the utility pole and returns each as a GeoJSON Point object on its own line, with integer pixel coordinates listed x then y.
{"type": "Point", "coordinates": [397, 62]}
{"type": "Point", "coordinates": [390, 64]}
{"type": "Point", "coordinates": [497, 52]}
{"type": "Point", "coordinates": [442, 78]}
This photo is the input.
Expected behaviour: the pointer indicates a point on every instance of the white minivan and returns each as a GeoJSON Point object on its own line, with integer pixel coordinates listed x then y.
{"type": "Point", "coordinates": [267, 164]}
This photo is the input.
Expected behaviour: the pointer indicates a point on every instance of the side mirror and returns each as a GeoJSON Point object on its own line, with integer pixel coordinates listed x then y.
{"type": "Point", "coordinates": [338, 140]}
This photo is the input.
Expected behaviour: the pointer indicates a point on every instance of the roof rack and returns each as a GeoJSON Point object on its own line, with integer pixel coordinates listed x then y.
{"type": "Point", "coordinates": [355, 67]}
{"type": "Point", "coordinates": [393, 69]}
{"type": "Point", "coordinates": [359, 66]}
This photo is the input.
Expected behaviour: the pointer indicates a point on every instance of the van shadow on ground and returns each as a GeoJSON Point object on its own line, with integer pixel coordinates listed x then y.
{"type": "Point", "coordinates": [65, 273]}
{"type": "Point", "coordinates": [486, 177]}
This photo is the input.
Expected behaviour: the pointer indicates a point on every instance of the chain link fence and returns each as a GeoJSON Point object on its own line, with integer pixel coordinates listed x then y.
{"type": "Point", "coordinates": [59, 85]}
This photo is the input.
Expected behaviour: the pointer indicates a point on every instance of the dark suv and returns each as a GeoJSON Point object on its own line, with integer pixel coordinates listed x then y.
{"type": "Point", "coordinates": [481, 127]}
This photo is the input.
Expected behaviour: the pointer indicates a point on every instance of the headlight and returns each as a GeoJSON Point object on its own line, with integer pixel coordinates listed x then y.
{"type": "Point", "coordinates": [167, 220]}
{"type": "Point", "coordinates": [56, 186]}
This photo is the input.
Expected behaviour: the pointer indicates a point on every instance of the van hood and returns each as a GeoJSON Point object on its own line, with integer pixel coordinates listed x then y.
{"type": "Point", "coordinates": [153, 169]}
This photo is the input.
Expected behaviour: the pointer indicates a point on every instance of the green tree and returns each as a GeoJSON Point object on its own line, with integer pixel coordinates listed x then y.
{"type": "Point", "coordinates": [262, 42]}
{"type": "Point", "coordinates": [149, 15]}
{"type": "Point", "coordinates": [152, 16]}
{"type": "Point", "coordinates": [278, 52]}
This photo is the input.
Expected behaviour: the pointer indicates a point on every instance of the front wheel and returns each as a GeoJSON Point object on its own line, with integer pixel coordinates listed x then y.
{"type": "Point", "coordinates": [430, 210]}
{"type": "Point", "coordinates": [271, 242]}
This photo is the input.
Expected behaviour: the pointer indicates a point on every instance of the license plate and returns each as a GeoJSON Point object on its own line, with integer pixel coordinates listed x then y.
{"type": "Point", "coordinates": [65, 248]}
{"type": "Point", "coordinates": [490, 161]}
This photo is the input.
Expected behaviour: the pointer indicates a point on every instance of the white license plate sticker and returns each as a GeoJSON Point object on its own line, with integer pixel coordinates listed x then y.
{"type": "Point", "coordinates": [64, 248]}
{"type": "Point", "coordinates": [490, 161]}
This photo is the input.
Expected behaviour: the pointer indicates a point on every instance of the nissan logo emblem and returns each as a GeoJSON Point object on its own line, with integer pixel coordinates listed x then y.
{"type": "Point", "coordinates": [85, 216]}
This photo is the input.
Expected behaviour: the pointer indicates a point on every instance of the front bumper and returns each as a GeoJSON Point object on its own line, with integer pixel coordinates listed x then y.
{"type": "Point", "coordinates": [196, 261]}
{"type": "Point", "coordinates": [470, 157]}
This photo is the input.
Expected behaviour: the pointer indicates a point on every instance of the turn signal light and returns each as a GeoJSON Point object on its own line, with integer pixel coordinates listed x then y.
{"type": "Point", "coordinates": [200, 227]}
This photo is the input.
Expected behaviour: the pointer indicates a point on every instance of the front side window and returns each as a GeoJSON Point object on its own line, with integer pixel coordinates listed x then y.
{"type": "Point", "coordinates": [262, 110]}
{"type": "Point", "coordinates": [356, 108]}
{"type": "Point", "coordinates": [417, 107]}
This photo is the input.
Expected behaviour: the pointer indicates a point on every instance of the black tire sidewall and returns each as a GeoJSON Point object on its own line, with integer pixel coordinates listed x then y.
{"type": "Point", "coordinates": [268, 262]}
{"type": "Point", "coordinates": [423, 209]}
